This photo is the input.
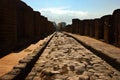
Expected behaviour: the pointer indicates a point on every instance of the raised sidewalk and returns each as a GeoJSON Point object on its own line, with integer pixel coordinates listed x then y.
{"type": "Point", "coordinates": [108, 52]}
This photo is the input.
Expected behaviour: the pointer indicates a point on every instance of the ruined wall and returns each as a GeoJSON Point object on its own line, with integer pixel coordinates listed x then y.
{"type": "Point", "coordinates": [106, 28]}
{"type": "Point", "coordinates": [20, 25]}
{"type": "Point", "coordinates": [8, 25]}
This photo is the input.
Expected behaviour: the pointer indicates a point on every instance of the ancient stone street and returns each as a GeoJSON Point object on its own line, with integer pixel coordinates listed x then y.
{"type": "Point", "coordinates": [59, 40]}
{"type": "Point", "coordinates": [66, 59]}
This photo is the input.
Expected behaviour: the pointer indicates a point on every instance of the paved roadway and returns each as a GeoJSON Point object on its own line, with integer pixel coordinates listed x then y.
{"type": "Point", "coordinates": [65, 59]}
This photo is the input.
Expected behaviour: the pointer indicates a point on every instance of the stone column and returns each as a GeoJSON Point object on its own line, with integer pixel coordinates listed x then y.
{"type": "Point", "coordinates": [101, 29]}
{"type": "Point", "coordinates": [82, 27]}
{"type": "Point", "coordinates": [37, 25]}
{"type": "Point", "coordinates": [8, 31]}
{"type": "Point", "coordinates": [97, 28]}
{"type": "Point", "coordinates": [87, 28]}
{"type": "Point", "coordinates": [116, 24]}
{"type": "Point", "coordinates": [92, 28]}
{"type": "Point", "coordinates": [107, 27]}
{"type": "Point", "coordinates": [28, 22]}
{"type": "Point", "coordinates": [25, 24]}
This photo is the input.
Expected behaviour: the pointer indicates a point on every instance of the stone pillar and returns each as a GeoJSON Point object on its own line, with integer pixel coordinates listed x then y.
{"type": "Point", "coordinates": [37, 26]}
{"type": "Point", "coordinates": [20, 22]}
{"type": "Point", "coordinates": [86, 27]}
{"type": "Point", "coordinates": [72, 28]}
{"type": "Point", "coordinates": [8, 31]}
{"type": "Point", "coordinates": [74, 25]}
{"type": "Point", "coordinates": [107, 23]}
{"type": "Point", "coordinates": [51, 27]}
{"type": "Point", "coordinates": [116, 24]}
{"type": "Point", "coordinates": [101, 29]}
{"type": "Point", "coordinates": [92, 28]}
{"type": "Point", "coordinates": [28, 22]}
{"type": "Point", "coordinates": [82, 27]}
{"type": "Point", "coordinates": [97, 28]}
{"type": "Point", "coordinates": [25, 24]}
{"type": "Point", "coordinates": [43, 25]}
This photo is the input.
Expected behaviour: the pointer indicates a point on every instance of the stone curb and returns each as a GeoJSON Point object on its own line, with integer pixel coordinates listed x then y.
{"type": "Point", "coordinates": [115, 62]}
{"type": "Point", "coordinates": [20, 71]}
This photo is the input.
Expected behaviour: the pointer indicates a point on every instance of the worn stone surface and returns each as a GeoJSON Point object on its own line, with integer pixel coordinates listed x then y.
{"type": "Point", "coordinates": [66, 59]}
{"type": "Point", "coordinates": [112, 53]}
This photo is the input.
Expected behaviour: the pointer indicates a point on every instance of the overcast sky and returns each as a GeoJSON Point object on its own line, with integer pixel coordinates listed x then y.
{"type": "Point", "coordinates": [66, 10]}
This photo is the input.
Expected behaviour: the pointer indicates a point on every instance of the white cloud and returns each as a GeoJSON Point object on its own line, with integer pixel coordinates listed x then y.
{"type": "Point", "coordinates": [60, 14]}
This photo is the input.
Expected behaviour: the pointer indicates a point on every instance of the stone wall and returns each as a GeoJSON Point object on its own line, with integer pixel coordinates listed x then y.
{"type": "Point", "coordinates": [106, 28]}
{"type": "Point", "coordinates": [20, 25]}
{"type": "Point", "coordinates": [7, 25]}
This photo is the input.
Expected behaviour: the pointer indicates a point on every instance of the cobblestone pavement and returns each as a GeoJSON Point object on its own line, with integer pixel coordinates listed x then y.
{"type": "Point", "coordinates": [66, 59]}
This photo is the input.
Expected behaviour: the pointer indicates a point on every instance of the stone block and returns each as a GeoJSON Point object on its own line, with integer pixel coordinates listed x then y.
{"type": "Point", "coordinates": [21, 66]}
